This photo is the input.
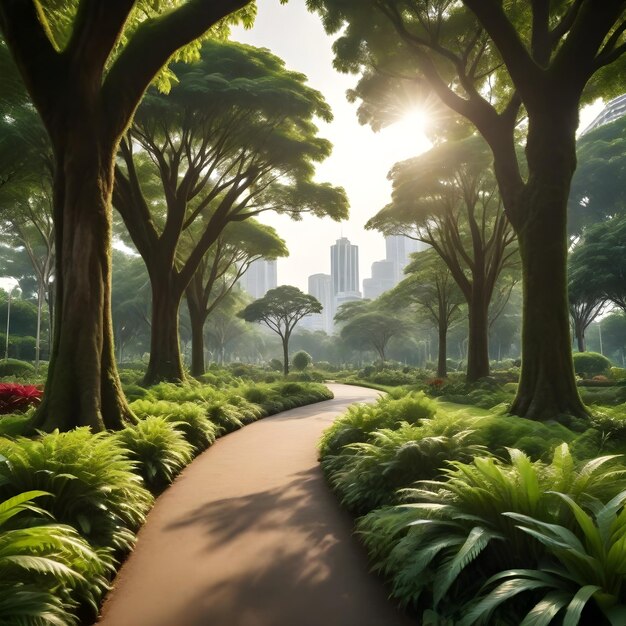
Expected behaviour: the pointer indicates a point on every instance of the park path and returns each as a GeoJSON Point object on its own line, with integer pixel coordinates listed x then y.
{"type": "Point", "coordinates": [250, 535]}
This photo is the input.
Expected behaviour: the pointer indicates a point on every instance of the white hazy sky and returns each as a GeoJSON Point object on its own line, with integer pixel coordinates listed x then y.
{"type": "Point", "coordinates": [360, 159]}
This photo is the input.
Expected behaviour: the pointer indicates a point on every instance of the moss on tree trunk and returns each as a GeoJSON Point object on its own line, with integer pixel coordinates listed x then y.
{"type": "Point", "coordinates": [478, 339]}
{"type": "Point", "coordinates": [547, 385]}
{"type": "Point", "coordinates": [83, 386]}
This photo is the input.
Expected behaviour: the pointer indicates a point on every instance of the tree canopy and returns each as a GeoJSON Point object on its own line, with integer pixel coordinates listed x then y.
{"type": "Point", "coordinates": [280, 310]}
{"type": "Point", "coordinates": [234, 137]}
{"type": "Point", "coordinates": [493, 64]}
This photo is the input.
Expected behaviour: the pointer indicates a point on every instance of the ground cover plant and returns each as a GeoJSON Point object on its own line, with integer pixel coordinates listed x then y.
{"type": "Point", "coordinates": [93, 491]}
{"type": "Point", "coordinates": [477, 517]}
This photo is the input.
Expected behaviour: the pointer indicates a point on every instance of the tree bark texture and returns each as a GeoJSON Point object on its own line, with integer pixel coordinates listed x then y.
{"type": "Point", "coordinates": [197, 320]}
{"type": "Point", "coordinates": [478, 339]}
{"type": "Point", "coordinates": [547, 385]}
{"type": "Point", "coordinates": [442, 351]}
{"type": "Point", "coordinates": [165, 362]}
{"type": "Point", "coordinates": [83, 387]}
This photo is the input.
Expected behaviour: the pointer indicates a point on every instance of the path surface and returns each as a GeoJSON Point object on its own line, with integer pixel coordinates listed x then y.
{"type": "Point", "coordinates": [250, 535]}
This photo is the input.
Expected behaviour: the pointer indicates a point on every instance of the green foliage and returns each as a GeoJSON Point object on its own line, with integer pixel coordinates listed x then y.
{"type": "Point", "coordinates": [369, 474]}
{"type": "Point", "coordinates": [159, 449]}
{"type": "Point", "coordinates": [46, 569]}
{"type": "Point", "coordinates": [438, 548]}
{"type": "Point", "coordinates": [301, 360]}
{"type": "Point", "coordinates": [590, 364]}
{"type": "Point", "coordinates": [14, 367]}
{"type": "Point", "coordinates": [583, 566]}
{"type": "Point", "coordinates": [93, 484]}
{"type": "Point", "coordinates": [362, 420]}
{"type": "Point", "coordinates": [188, 417]}
{"type": "Point", "coordinates": [276, 365]}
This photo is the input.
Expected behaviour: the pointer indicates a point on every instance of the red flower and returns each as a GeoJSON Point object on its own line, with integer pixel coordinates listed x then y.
{"type": "Point", "coordinates": [435, 382]}
{"type": "Point", "coordinates": [15, 397]}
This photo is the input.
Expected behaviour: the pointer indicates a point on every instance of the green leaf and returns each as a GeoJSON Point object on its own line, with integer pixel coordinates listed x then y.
{"type": "Point", "coordinates": [576, 606]}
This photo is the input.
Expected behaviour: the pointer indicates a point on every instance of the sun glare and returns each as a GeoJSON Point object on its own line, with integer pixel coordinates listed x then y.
{"type": "Point", "coordinates": [407, 137]}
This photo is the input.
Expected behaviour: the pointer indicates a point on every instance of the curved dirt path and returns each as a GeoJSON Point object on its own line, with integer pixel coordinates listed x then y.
{"type": "Point", "coordinates": [250, 535]}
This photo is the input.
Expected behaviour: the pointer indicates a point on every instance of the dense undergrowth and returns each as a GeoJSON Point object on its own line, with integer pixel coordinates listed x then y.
{"type": "Point", "coordinates": [71, 503]}
{"type": "Point", "coordinates": [477, 517]}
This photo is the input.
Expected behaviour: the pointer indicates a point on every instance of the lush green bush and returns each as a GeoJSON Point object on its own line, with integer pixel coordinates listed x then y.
{"type": "Point", "coordinates": [16, 425]}
{"type": "Point", "coordinates": [276, 365]}
{"type": "Point", "coordinates": [369, 474]}
{"type": "Point", "coordinates": [225, 416]}
{"type": "Point", "coordinates": [93, 484]}
{"type": "Point", "coordinates": [14, 367]}
{"type": "Point", "coordinates": [48, 572]}
{"type": "Point", "coordinates": [159, 448]}
{"type": "Point", "coordinates": [439, 548]}
{"type": "Point", "coordinates": [188, 392]}
{"type": "Point", "coordinates": [301, 360]}
{"type": "Point", "coordinates": [362, 420]}
{"type": "Point", "coordinates": [603, 395]}
{"type": "Point", "coordinates": [588, 364]}
{"type": "Point", "coordinates": [188, 417]}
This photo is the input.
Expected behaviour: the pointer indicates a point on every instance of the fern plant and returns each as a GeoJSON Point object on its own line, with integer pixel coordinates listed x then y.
{"type": "Point", "coordinates": [158, 448]}
{"type": "Point", "coordinates": [188, 417]}
{"type": "Point", "coordinates": [436, 548]}
{"type": "Point", "coordinates": [47, 571]}
{"type": "Point", "coordinates": [581, 566]}
{"type": "Point", "coordinates": [93, 483]}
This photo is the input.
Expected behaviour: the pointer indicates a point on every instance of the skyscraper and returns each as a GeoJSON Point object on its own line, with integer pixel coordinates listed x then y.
{"type": "Point", "coordinates": [321, 287]}
{"type": "Point", "coordinates": [260, 277]}
{"type": "Point", "coordinates": [383, 279]}
{"type": "Point", "coordinates": [344, 267]}
{"type": "Point", "coordinates": [399, 249]}
{"type": "Point", "coordinates": [614, 109]}
{"type": "Point", "coordinates": [344, 272]}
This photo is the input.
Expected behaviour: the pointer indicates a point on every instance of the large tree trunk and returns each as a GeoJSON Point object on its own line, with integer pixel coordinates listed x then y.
{"type": "Point", "coordinates": [547, 385]}
{"type": "Point", "coordinates": [197, 320]}
{"type": "Point", "coordinates": [165, 362]}
{"type": "Point", "coordinates": [478, 339]}
{"type": "Point", "coordinates": [442, 355]}
{"type": "Point", "coordinates": [83, 386]}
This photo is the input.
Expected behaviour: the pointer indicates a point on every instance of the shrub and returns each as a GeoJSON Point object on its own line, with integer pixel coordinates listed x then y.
{"type": "Point", "coordinates": [276, 365]}
{"type": "Point", "coordinates": [135, 392]}
{"type": "Point", "coordinates": [14, 367]}
{"type": "Point", "coordinates": [17, 425]}
{"type": "Point", "coordinates": [450, 536]}
{"type": "Point", "coordinates": [48, 570]}
{"type": "Point", "coordinates": [16, 398]}
{"type": "Point", "coordinates": [370, 473]}
{"type": "Point", "coordinates": [362, 420]}
{"type": "Point", "coordinates": [187, 417]}
{"type": "Point", "coordinates": [93, 484]}
{"type": "Point", "coordinates": [225, 416]}
{"type": "Point", "coordinates": [301, 360]}
{"type": "Point", "coordinates": [588, 364]}
{"type": "Point", "coordinates": [188, 392]}
{"type": "Point", "coordinates": [159, 449]}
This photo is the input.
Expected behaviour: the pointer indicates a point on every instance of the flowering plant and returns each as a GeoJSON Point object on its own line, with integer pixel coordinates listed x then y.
{"type": "Point", "coordinates": [15, 397]}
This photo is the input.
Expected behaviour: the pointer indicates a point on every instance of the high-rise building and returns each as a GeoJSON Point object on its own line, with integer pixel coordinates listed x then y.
{"type": "Point", "coordinates": [614, 109]}
{"type": "Point", "coordinates": [344, 273]}
{"type": "Point", "coordinates": [321, 287]}
{"type": "Point", "coordinates": [259, 278]}
{"type": "Point", "coordinates": [383, 279]}
{"type": "Point", "coordinates": [344, 267]}
{"type": "Point", "coordinates": [399, 249]}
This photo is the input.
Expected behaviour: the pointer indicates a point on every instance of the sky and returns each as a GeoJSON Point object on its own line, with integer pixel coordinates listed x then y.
{"type": "Point", "coordinates": [361, 158]}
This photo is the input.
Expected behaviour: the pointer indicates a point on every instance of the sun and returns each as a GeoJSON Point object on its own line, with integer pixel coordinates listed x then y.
{"type": "Point", "coordinates": [408, 136]}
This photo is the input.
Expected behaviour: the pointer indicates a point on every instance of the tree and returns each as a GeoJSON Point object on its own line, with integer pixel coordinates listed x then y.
{"type": "Point", "coordinates": [374, 329]}
{"type": "Point", "coordinates": [86, 65]}
{"type": "Point", "coordinates": [230, 256]}
{"type": "Point", "coordinates": [430, 289]}
{"type": "Point", "coordinates": [280, 310]}
{"type": "Point", "coordinates": [597, 191]}
{"type": "Point", "coordinates": [599, 262]}
{"type": "Point", "coordinates": [234, 137]}
{"type": "Point", "coordinates": [586, 295]}
{"type": "Point", "coordinates": [448, 199]}
{"type": "Point", "coordinates": [223, 327]}
{"type": "Point", "coordinates": [301, 360]}
{"type": "Point", "coordinates": [490, 63]}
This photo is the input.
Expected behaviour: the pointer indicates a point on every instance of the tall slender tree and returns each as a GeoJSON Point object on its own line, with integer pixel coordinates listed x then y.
{"type": "Point", "coordinates": [227, 260]}
{"type": "Point", "coordinates": [234, 137]}
{"type": "Point", "coordinates": [493, 63]}
{"type": "Point", "coordinates": [86, 65]}
{"type": "Point", "coordinates": [448, 199]}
